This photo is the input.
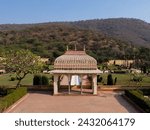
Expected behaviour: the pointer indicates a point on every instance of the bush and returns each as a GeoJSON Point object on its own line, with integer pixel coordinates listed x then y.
{"type": "Point", "coordinates": [51, 78]}
{"type": "Point", "coordinates": [45, 80]}
{"type": "Point", "coordinates": [120, 71]}
{"type": "Point", "coordinates": [115, 81]}
{"type": "Point", "coordinates": [40, 80]}
{"type": "Point", "coordinates": [12, 79]}
{"type": "Point", "coordinates": [109, 80]}
{"type": "Point", "coordinates": [99, 79]}
{"type": "Point", "coordinates": [37, 80]}
{"type": "Point", "coordinates": [11, 98]}
{"type": "Point", "coordinates": [3, 91]}
{"type": "Point", "coordinates": [137, 78]}
{"type": "Point", "coordinates": [139, 99]}
{"type": "Point", "coordinates": [146, 91]}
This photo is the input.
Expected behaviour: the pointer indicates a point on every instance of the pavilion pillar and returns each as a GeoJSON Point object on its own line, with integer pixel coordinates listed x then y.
{"type": "Point", "coordinates": [81, 87]}
{"type": "Point", "coordinates": [69, 84]}
{"type": "Point", "coordinates": [94, 84]}
{"type": "Point", "coordinates": [56, 84]}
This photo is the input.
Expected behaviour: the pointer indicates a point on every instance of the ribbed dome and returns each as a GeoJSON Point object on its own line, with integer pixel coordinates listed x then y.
{"type": "Point", "coordinates": [75, 60]}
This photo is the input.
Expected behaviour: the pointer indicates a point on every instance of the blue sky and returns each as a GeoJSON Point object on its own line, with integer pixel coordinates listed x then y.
{"type": "Point", "coordinates": [37, 11]}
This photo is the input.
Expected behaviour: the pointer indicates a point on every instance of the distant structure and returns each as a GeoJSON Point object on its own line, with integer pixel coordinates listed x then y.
{"type": "Point", "coordinates": [125, 63]}
{"type": "Point", "coordinates": [75, 64]}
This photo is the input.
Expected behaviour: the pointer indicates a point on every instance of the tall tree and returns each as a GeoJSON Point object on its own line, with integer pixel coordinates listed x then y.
{"type": "Point", "coordinates": [22, 62]}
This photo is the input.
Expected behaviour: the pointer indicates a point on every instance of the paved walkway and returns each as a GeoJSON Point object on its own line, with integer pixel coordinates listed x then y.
{"type": "Point", "coordinates": [44, 102]}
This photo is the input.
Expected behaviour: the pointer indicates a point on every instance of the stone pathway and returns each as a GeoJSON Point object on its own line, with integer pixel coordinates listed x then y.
{"type": "Point", "coordinates": [44, 102]}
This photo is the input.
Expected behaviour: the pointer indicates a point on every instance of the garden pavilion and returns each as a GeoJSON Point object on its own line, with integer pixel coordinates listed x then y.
{"type": "Point", "coordinates": [73, 64]}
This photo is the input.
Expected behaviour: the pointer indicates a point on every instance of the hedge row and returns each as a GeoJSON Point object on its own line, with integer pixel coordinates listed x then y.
{"type": "Point", "coordinates": [40, 80]}
{"type": "Point", "coordinates": [146, 91]}
{"type": "Point", "coordinates": [138, 97]}
{"type": "Point", "coordinates": [120, 71]}
{"type": "Point", "coordinates": [11, 98]}
{"type": "Point", "coordinates": [4, 90]}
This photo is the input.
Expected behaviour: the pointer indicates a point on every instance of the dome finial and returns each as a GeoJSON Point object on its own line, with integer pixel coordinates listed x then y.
{"type": "Point", "coordinates": [84, 47]}
{"type": "Point", "coordinates": [75, 46]}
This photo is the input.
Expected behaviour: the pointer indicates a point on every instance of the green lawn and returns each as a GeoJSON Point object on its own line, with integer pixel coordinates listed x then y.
{"type": "Point", "coordinates": [28, 80]}
{"type": "Point", "coordinates": [124, 79]}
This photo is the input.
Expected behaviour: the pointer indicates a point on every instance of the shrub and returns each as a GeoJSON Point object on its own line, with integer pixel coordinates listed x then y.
{"type": "Point", "coordinates": [11, 98]}
{"type": "Point", "coordinates": [37, 80]}
{"type": "Point", "coordinates": [139, 99]}
{"type": "Point", "coordinates": [115, 81]}
{"type": "Point", "coordinates": [52, 78]}
{"type": "Point", "coordinates": [12, 79]}
{"type": "Point", "coordinates": [99, 79]}
{"type": "Point", "coordinates": [109, 80]}
{"type": "Point", "coordinates": [40, 80]}
{"type": "Point", "coordinates": [146, 91]}
{"type": "Point", "coordinates": [3, 91]}
{"type": "Point", "coordinates": [45, 80]}
{"type": "Point", "coordinates": [137, 79]}
{"type": "Point", "coordinates": [120, 71]}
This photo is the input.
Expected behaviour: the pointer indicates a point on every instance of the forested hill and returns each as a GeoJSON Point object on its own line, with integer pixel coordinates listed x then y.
{"type": "Point", "coordinates": [133, 31]}
{"type": "Point", "coordinates": [50, 40]}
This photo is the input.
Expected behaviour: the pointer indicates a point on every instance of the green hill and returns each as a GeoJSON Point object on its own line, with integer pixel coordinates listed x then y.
{"type": "Point", "coordinates": [134, 31]}
{"type": "Point", "coordinates": [50, 40]}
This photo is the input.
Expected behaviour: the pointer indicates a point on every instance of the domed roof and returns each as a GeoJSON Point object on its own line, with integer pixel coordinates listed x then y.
{"type": "Point", "coordinates": [75, 60]}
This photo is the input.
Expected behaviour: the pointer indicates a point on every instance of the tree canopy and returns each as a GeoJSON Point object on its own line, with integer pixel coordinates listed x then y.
{"type": "Point", "coordinates": [22, 62]}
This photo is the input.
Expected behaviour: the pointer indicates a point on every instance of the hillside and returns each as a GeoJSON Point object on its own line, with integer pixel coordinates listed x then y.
{"type": "Point", "coordinates": [50, 40]}
{"type": "Point", "coordinates": [134, 31]}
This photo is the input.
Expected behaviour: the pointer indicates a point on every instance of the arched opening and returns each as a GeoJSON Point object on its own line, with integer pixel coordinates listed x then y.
{"type": "Point", "coordinates": [75, 84]}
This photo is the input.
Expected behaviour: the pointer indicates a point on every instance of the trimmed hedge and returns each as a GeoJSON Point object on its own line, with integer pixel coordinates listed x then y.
{"type": "Point", "coordinates": [109, 80]}
{"type": "Point", "coordinates": [99, 79]}
{"type": "Point", "coordinates": [138, 97]}
{"type": "Point", "coordinates": [146, 91]}
{"type": "Point", "coordinates": [37, 80]}
{"type": "Point", "coordinates": [45, 80]}
{"type": "Point", "coordinates": [120, 71]}
{"type": "Point", "coordinates": [4, 90]}
{"type": "Point", "coordinates": [40, 80]}
{"type": "Point", "coordinates": [11, 98]}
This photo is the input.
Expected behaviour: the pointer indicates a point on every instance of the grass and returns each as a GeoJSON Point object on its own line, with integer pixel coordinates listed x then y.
{"type": "Point", "coordinates": [125, 79]}
{"type": "Point", "coordinates": [28, 80]}
{"type": "Point", "coordinates": [5, 79]}
{"type": "Point", "coordinates": [122, 79]}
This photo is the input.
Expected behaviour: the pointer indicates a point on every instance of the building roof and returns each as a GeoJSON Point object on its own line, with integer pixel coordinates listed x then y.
{"type": "Point", "coordinates": [75, 62]}
{"type": "Point", "coordinates": [97, 71]}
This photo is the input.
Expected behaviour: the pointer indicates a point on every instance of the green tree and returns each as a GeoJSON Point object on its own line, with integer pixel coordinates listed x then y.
{"type": "Point", "coordinates": [22, 62]}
